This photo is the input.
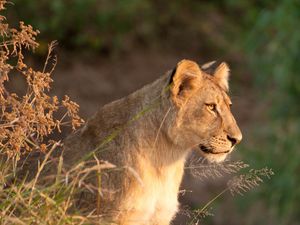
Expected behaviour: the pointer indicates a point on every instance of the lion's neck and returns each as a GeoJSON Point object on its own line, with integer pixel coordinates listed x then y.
{"type": "Point", "coordinates": [151, 130]}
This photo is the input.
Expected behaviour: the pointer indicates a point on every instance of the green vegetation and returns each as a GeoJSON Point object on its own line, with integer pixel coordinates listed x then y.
{"type": "Point", "coordinates": [272, 45]}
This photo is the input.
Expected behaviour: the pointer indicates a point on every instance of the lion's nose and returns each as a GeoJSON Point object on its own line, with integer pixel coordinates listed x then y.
{"type": "Point", "coordinates": [233, 140]}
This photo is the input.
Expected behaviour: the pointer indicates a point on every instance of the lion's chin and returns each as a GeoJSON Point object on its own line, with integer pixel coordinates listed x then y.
{"type": "Point", "coordinates": [212, 155]}
{"type": "Point", "coordinates": [216, 158]}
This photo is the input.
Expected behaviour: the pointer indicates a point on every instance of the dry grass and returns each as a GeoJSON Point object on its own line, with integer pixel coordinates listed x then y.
{"type": "Point", "coordinates": [26, 123]}
{"type": "Point", "coordinates": [240, 181]}
{"type": "Point", "coordinates": [27, 119]}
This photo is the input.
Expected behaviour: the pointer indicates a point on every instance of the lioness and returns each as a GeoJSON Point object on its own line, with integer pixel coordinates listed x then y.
{"type": "Point", "coordinates": [149, 134]}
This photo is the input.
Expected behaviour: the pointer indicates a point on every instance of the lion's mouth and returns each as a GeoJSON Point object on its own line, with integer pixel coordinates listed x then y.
{"type": "Point", "coordinates": [210, 151]}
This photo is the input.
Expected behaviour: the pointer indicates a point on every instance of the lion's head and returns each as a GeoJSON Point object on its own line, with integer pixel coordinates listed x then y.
{"type": "Point", "coordinates": [204, 120]}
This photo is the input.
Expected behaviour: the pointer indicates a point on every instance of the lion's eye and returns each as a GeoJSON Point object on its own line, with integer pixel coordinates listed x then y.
{"type": "Point", "coordinates": [211, 107]}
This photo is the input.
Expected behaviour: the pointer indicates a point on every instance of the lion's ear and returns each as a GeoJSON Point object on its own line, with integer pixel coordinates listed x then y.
{"type": "Point", "coordinates": [186, 79]}
{"type": "Point", "coordinates": [221, 75]}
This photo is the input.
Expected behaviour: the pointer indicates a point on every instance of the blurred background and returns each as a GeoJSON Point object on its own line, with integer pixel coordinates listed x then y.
{"type": "Point", "coordinates": [109, 48]}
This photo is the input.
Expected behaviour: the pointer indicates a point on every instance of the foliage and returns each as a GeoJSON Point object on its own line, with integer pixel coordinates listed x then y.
{"type": "Point", "coordinates": [278, 150]}
{"type": "Point", "coordinates": [113, 26]}
{"type": "Point", "coordinates": [94, 24]}
{"type": "Point", "coordinates": [272, 44]}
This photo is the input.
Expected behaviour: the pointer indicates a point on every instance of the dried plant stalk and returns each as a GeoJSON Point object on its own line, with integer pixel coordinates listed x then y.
{"type": "Point", "coordinates": [26, 120]}
{"type": "Point", "coordinates": [200, 168]}
{"type": "Point", "coordinates": [245, 182]}
{"type": "Point", "coordinates": [238, 184]}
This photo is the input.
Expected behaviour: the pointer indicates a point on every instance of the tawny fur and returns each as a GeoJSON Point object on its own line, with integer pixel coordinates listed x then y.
{"type": "Point", "coordinates": [151, 150]}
